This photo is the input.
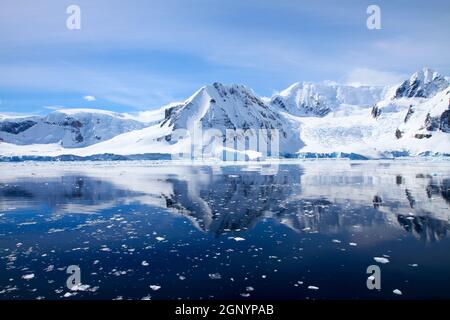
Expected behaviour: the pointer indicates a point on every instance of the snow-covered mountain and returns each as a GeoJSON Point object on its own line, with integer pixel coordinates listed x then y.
{"type": "Point", "coordinates": [313, 120]}
{"type": "Point", "coordinates": [420, 106]}
{"type": "Point", "coordinates": [423, 84]}
{"type": "Point", "coordinates": [395, 125]}
{"type": "Point", "coordinates": [235, 107]}
{"type": "Point", "coordinates": [73, 128]}
{"type": "Point", "coordinates": [307, 99]}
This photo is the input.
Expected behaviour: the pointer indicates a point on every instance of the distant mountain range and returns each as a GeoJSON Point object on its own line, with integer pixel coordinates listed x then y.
{"type": "Point", "coordinates": [313, 121]}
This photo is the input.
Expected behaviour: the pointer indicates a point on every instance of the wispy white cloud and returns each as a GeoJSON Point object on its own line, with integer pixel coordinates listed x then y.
{"type": "Point", "coordinates": [371, 77]}
{"type": "Point", "coordinates": [89, 98]}
{"type": "Point", "coordinates": [54, 107]}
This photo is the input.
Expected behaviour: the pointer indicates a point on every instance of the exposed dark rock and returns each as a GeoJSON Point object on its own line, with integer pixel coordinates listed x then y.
{"type": "Point", "coordinates": [79, 138]}
{"type": "Point", "coordinates": [444, 124]}
{"type": "Point", "coordinates": [376, 112]}
{"type": "Point", "coordinates": [409, 113]}
{"type": "Point", "coordinates": [16, 127]}
{"type": "Point", "coordinates": [422, 136]}
{"type": "Point", "coordinates": [431, 123]}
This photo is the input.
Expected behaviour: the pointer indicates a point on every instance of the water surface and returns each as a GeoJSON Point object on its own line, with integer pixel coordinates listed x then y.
{"type": "Point", "coordinates": [300, 230]}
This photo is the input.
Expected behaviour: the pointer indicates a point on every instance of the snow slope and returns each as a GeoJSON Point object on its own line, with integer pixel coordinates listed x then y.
{"type": "Point", "coordinates": [308, 99]}
{"type": "Point", "coordinates": [71, 128]}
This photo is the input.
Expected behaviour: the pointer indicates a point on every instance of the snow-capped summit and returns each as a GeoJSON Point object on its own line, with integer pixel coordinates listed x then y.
{"type": "Point", "coordinates": [223, 107]}
{"type": "Point", "coordinates": [229, 107]}
{"type": "Point", "coordinates": [310, 99]}
{"type": "Point", "coordinates": [422, 84]}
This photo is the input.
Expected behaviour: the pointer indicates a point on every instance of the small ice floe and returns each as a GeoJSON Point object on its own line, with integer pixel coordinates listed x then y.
{"type": "Point", "coordinates": [397, 292]}
{"type": "Point", "coordinates": [55, 230]}
{"type": "Point", "coordinates": [382, 260]}
{"type": "Point", "coordinates": [147, 298]}
{"type": "Point", "coordinates": [182, 278]}
{"type": "Point", "coordinates": [263, 276]}
{"type": "Point", "coordinates": [160, 238]}
{"type": "Point", "coordinates": [50, 268]}
{"type": "Point", "coordinates": [245, 295]}
{"type": "Point", "coordinates": [313, 288]}
{"type": "Point", "coordinates": [80, 287]}
{"type": "Point", "coordinates": [27, 223]}
{"type": "Point", "coordinates": [145, 263]}
{"type": "Point", "coordinates": [336, 241]}
{"type": "Point", "coordinates": [155, 287]}
{"type": "Point", "coordinates": [237, 238]}
{"type": "Point", "coordinates": [414, 265]}
{"type": "Point", "coordinates": [250, 289]}
{"type": "Point", "coordinates": [68, 295]}
{"type": "Point", "coordinates": [215, 276]}
{"type": "Point", "coordinates": [28, 276]}
{"type": "Point", "coordinates": [353, 244]}
{"type": "Point", "coordinates": [106, 249]}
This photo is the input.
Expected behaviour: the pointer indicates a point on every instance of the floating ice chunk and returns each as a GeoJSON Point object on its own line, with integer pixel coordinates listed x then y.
{"type": "Point", "coordinates": [353, 244]}
{"type": "Point", "coordinates": [414, 265]}
{"type": "Point", "coordinates": [381, 260]}
{"type": "Point", "coordinates": [397, 292]}
{"type": "Point", "coordinates": [215, 276]}
{"type": "Point", "coordinates": [80, 287]}
{"type": "Point", "coordinates": [237, 238]}
{"type": "Point", "coordinates": [155, 287]}
{"type": "Point", "coordinates": [50, 268]}
{"type": "Point", "coordinates": [336, 241]}
{"type": "Point", "coordinates": [182, 277]}
{"type": "Point", "coordinates": [145, 263]}
{"type": "Point", "coordinates": [147, 298]}
{"type": "Point", "coordinates": [28, 276]}
{"type": "Point", "coordinates": [249, 289]}
{"type": "Point", "coordinates": [245, 295]}
{"type": "Point", "coordinates": [68, 295]}
{"type": "Point", "coordinates": [313, 288]}
{"type": "Point", "coordinates": [160, 238]}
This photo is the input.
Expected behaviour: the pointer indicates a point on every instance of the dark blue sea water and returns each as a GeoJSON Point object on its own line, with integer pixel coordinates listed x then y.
{"type": "Point", "coordinates": [298, 230]}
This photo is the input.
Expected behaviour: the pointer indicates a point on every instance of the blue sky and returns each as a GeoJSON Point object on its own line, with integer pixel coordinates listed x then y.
{"type": "Point", "coordinates": [138, 55]}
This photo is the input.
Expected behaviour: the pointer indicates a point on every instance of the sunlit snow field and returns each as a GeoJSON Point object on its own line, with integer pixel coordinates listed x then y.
{"type": "Point", "coordinates": [178, 230]}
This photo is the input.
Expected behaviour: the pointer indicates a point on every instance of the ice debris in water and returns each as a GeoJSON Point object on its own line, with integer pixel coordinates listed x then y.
{"type": "Point", "coordinates": [313, 288]}
{"type": "Point", "coordinates": [397, 292]}
{"type": "Point", "coordinates": [155, 287]}
{"type": "Point", "coordinates": [28, 276]}
{"type": "Point", "coordinates": [215, 276]}
{"type": "Point", "coordinates": [80, 287]}
{"type": "Point", "coordinates": [381, 260]}
{"type": "Point", "coordinates": [237, 238]}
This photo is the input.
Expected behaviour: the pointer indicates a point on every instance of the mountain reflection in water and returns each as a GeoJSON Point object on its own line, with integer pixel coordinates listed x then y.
{"type": "Point", "coordinates": [373, 202]}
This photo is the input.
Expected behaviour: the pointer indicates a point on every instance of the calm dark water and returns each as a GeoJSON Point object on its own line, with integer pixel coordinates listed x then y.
{"type": "Point", "coordinates": [176, 231]}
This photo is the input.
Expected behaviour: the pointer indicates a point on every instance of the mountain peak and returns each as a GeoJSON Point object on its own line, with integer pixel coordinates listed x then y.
{"type": "Point", "coordinates": [306, 99]}
{"type": "Point", "coordinates": [422, 84]}
{"type": "Point", "coordinates": [426, 75]}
